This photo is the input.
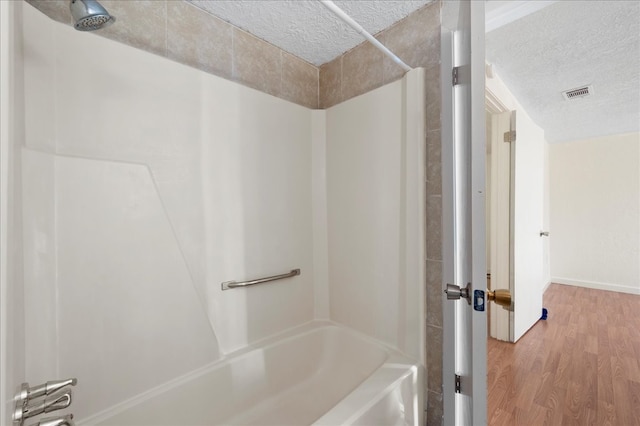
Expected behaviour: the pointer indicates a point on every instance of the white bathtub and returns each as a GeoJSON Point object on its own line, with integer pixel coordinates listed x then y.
{"type": "Point", "coordinates": [318, 374]}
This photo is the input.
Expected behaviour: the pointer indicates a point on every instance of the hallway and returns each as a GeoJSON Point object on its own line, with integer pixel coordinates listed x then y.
{"type": "Point", "coordinates": [579, 367]}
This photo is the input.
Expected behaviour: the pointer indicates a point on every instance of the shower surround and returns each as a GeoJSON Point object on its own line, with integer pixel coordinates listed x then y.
{"type": "Point", "coordinates": [170, 181]}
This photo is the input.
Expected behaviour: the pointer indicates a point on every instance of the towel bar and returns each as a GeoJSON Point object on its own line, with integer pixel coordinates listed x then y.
{"type": "Point", "coordinates": [235, 284]}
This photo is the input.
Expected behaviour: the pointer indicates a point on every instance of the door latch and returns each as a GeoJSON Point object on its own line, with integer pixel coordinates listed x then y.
{"type": "Point", "coordinates": [478, 300]}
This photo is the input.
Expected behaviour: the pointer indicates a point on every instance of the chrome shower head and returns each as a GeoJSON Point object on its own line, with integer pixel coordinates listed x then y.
{"type": "Point", "coordinates": [89, 15]}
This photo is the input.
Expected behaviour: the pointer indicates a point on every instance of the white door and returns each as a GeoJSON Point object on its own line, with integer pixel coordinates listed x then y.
{"type": "Point", "coordinates": [464, 257]}
{"type": "Point", "coordinates": [527, 151]}
{"type": "Point", "coordinates": [518, 194]}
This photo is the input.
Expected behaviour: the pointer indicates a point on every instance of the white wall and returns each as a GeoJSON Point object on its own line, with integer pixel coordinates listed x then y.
{"type": "Point", "coordinates": [595, 213]}
{"type": "Point", "coordinates": [148, 184]}
{"type": "Point", "coordinates": [364, 266]}
{"type": "Point", "coordinates": [375, 213]}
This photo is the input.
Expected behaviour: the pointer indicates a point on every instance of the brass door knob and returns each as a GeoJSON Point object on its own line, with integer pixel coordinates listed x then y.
{"type": "Point", "coordinates": [501, 297]}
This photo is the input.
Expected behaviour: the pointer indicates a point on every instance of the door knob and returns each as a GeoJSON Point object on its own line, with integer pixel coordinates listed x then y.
{"type": "Point", "coordinates": [455, 292]}
{"type": "Point", "coordinates": [500, 297]}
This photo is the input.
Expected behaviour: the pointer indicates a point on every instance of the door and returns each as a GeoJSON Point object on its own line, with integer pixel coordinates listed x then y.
{"type": "Point", "coordinates": [527, 153]}
{"type": "Point", "coordinates": [464, 257]}
{"type": "Point", "coordinates": [517, 196]}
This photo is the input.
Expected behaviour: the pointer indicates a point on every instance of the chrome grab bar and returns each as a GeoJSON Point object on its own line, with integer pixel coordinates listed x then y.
{"type": "Point", "coordinates": [235, 284]}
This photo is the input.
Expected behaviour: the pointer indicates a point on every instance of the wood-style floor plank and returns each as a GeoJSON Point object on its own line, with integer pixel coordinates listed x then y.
{"type": "Point", "coordinates": [579, 367]}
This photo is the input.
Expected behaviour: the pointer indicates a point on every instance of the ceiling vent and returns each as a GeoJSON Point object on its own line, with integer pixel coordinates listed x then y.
{"type": "Point", "coordinates": [580, 92]}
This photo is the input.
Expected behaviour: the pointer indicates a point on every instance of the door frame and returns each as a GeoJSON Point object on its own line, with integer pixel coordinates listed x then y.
{"type": "Point", "coordinates": [5, 127]}
{"type": "Point", "coordinates": [477, 388]}
{"type": "Point", "coordinates": [500, 319]}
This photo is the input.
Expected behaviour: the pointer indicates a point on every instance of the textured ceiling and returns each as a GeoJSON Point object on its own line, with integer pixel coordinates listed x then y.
{"type": "Point", "coordinates": [306, 28]}
{"type": "Point", "coordinates": [567, 45]}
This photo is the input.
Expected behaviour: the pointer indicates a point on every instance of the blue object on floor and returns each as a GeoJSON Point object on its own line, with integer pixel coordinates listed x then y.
{"type": "Point", "coordinates": [544, 314]}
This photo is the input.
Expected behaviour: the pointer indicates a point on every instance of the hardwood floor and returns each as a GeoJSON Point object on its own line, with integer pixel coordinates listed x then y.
{"type": "Point", "coordinates": [579, 367]}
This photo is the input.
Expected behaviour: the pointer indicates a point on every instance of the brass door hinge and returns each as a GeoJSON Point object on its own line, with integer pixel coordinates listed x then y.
{"type": "Point", "coordinates": [510, 136]}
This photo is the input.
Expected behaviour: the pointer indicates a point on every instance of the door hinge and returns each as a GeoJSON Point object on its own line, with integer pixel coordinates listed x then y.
{"type": "Point", "coordinates": [510, 136]}
{"type": "Point", "coordinates": [461, 75]}
{"type": "Point", "coordinates": [458, 386]}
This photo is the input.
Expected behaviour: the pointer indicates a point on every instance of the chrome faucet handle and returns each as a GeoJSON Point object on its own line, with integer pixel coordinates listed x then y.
{"type": "Point", "coordinates": [56, 401]}
{"type": "Point", "coordinates": [49, 387]}
{"type": "Point", "coordinates": [56, 421]}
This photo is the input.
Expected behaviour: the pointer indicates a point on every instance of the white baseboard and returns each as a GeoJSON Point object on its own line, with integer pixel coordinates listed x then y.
{"type": "Point", "coordinates": [546, 286]}
{"type": "Point", "coordinates": [596, 285]}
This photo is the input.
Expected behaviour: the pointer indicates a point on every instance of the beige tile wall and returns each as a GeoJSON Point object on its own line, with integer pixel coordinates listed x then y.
{"type": "Point", "coordinates": [415, 40]}
{"type": "Point", "coordinates": [198, 39]}
{"type": "Point", "coordinates": [201, 40]}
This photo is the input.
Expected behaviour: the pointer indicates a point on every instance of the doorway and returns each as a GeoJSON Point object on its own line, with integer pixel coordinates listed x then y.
{"type": "Point", "coordinates": [587, 120]}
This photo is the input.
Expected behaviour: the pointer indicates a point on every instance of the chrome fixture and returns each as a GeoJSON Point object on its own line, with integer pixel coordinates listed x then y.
{"type": "Point", "coordinates": [235, 284]}
{"type": "Point", "coordinates": [44, 398]}
{"type": "Point", "coordinates": [56, 421]}
{"type": "Point", "coordinates": [455, 292]}
{"type": "Point", "coordinates": [56, 401]}
{"type": "Point", "coordinates": [544, 233]}
{"type": "Point", "coordinates": [89, 15]}
{"type": "Point", "coordinates": [26, 393]}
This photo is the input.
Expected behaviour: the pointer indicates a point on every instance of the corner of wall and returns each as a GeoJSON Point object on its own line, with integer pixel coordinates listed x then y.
{"type": "Point", "coordinates": [415, 39]}
{"type": "Point", "coordinates": [319, 207]}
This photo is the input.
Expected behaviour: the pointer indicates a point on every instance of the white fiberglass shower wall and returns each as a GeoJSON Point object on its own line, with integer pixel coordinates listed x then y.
{"type": "Point", "coordinates": [147, 183]}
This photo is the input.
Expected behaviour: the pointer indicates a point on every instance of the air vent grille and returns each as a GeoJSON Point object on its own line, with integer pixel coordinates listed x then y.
{"type": "Point", "coordinates": [580, 92]}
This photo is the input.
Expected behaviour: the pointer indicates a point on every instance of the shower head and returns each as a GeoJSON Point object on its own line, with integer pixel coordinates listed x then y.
{"type": "Point", "coordinates": [89, 15]}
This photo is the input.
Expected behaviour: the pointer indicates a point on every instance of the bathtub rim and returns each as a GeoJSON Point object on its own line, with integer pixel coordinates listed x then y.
{"type": "Point", "coordinates": [361, 398]}
{"type": "Point", "coordinates": [393, 357]}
